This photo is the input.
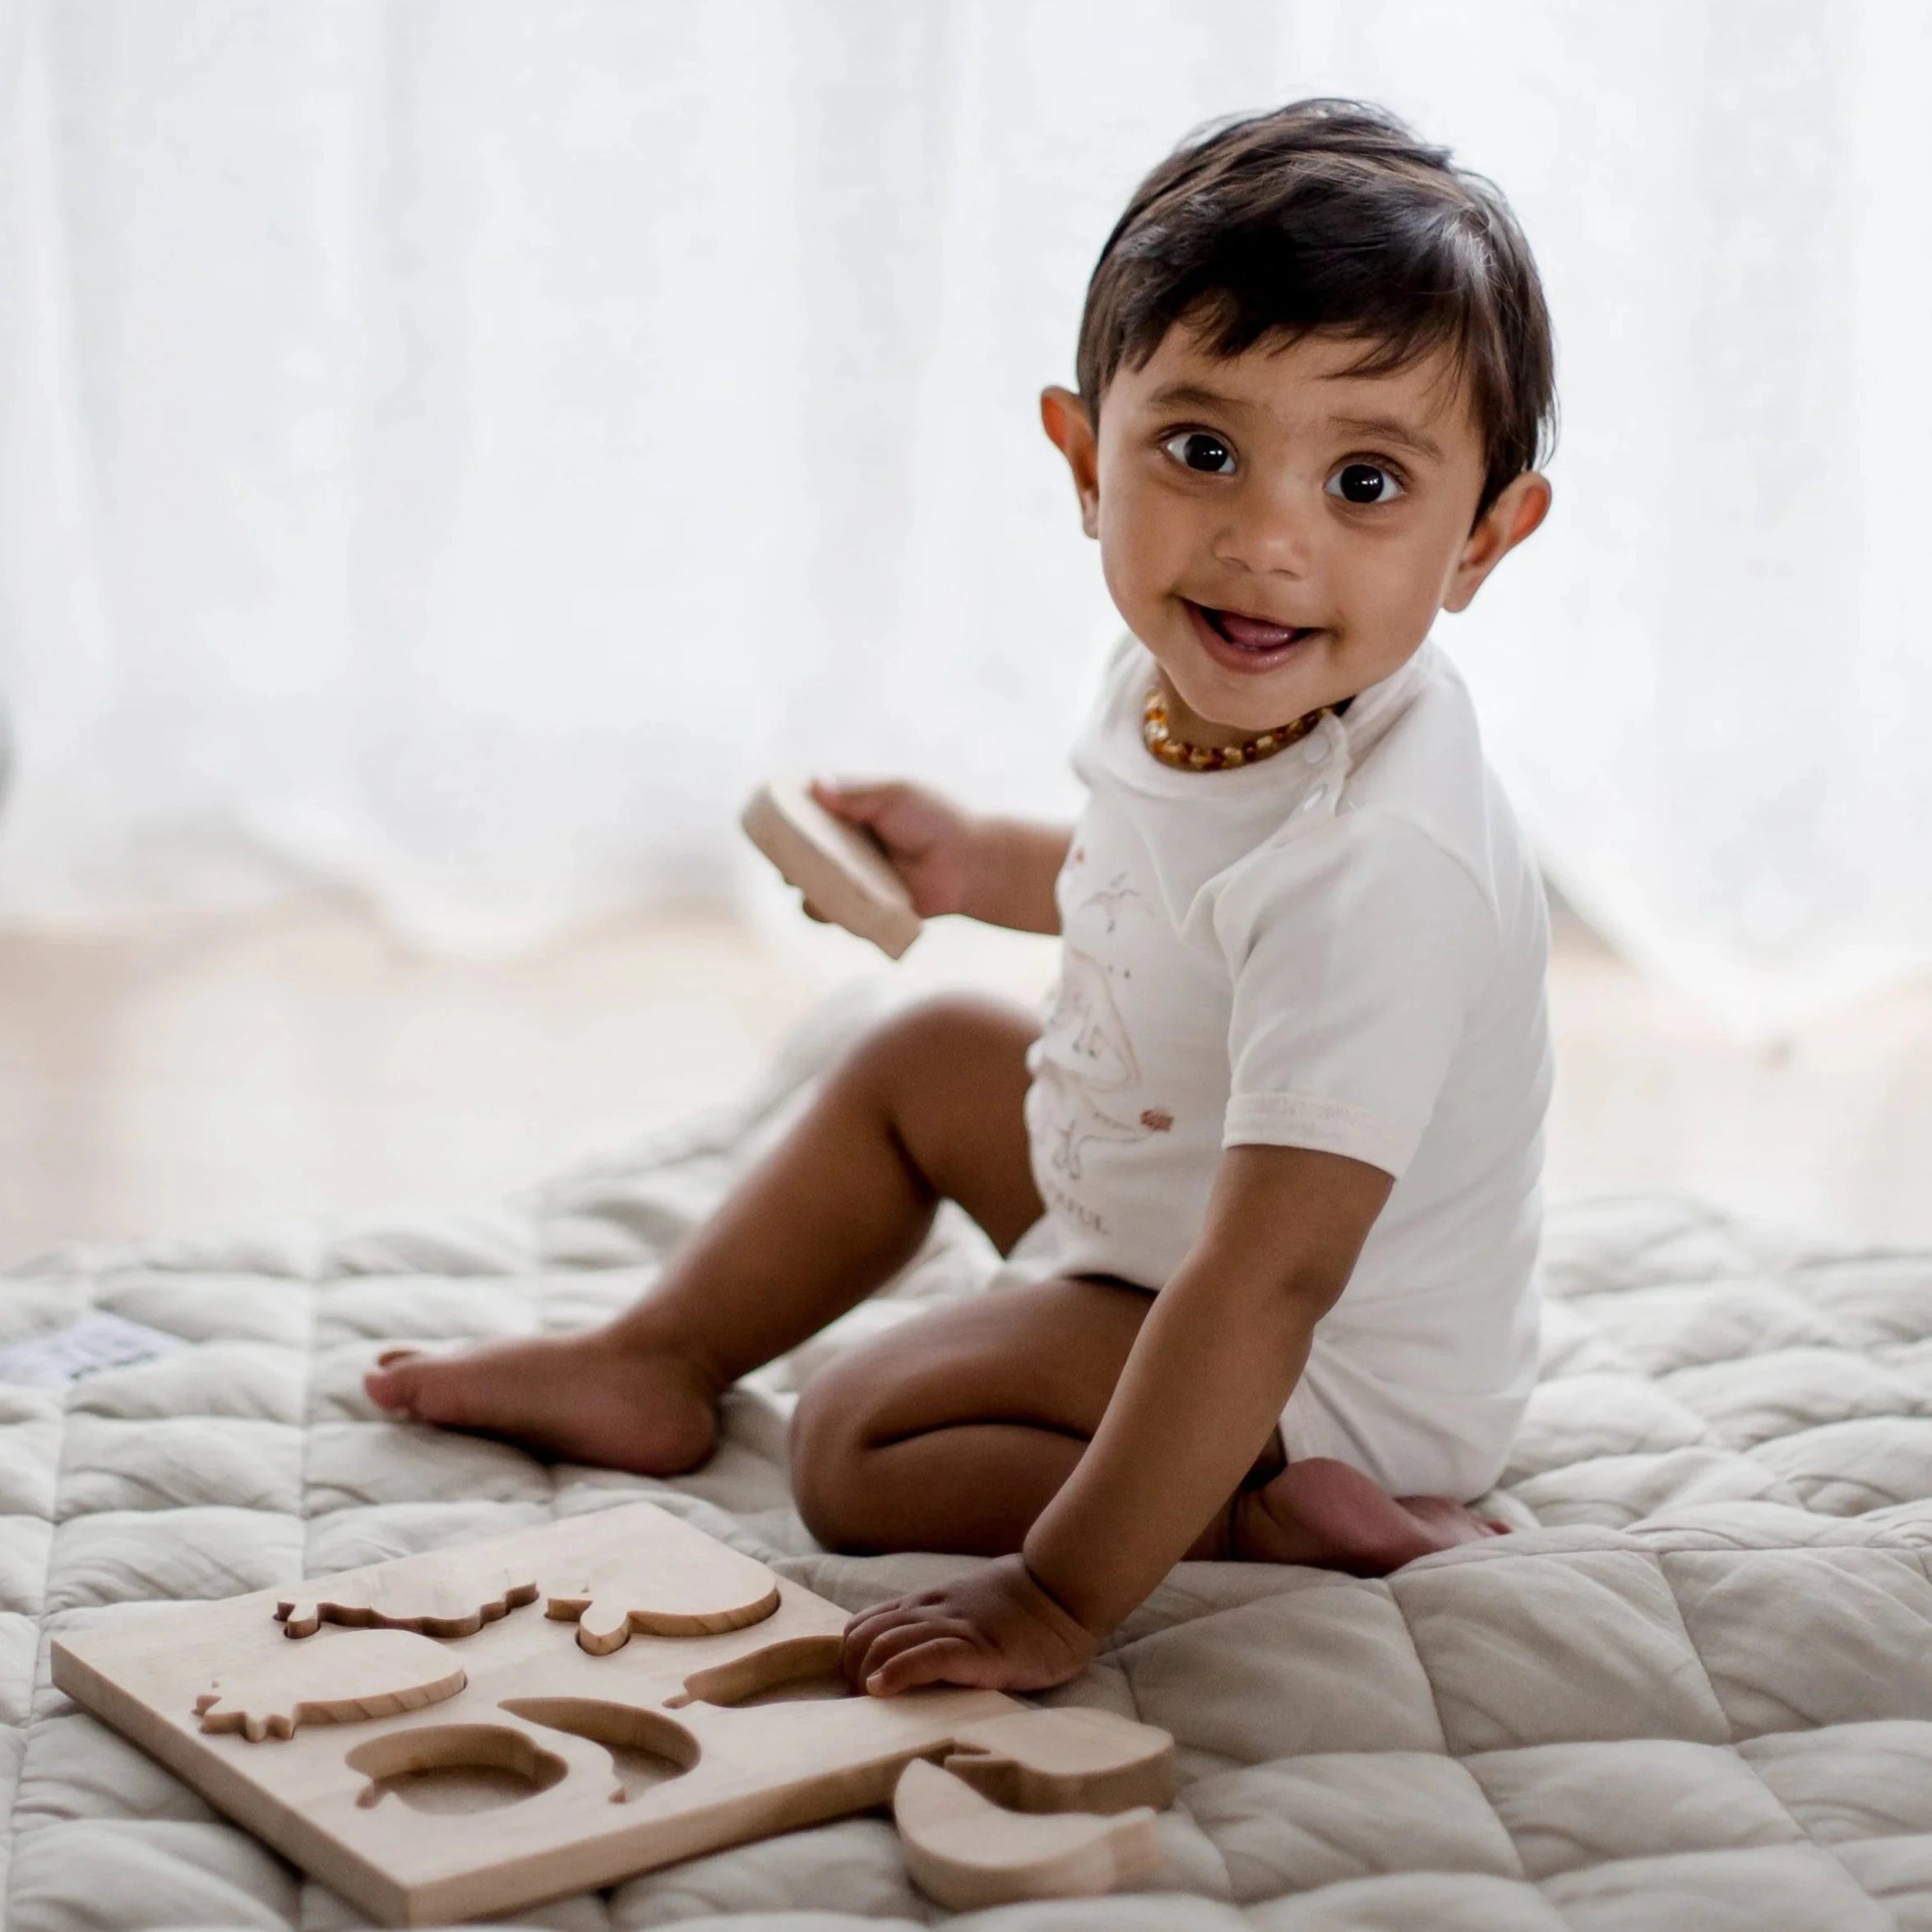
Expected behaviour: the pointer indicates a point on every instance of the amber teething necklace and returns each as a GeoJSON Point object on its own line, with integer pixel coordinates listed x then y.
{"type": "Point", "coordinates": [1158, 736]}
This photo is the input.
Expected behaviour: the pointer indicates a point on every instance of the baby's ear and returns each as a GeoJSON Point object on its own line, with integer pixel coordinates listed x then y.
{"type": "Point", "coordinates": [1070, 429]}
{"type": "Point", "coordinates": [1514, 515]}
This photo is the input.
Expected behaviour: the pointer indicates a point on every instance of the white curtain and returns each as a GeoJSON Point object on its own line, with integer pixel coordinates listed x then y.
{"type": "Point", "coordinates": [454, 447]}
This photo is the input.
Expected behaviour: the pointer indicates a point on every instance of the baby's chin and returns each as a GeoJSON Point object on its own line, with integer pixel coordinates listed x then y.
{"type": "Point", "coordinates": [1205, 717]}
{"type": "Point", "coordinates": [1246, 701]}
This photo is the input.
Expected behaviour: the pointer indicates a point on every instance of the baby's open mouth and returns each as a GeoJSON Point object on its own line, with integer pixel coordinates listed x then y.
{"type": "Point", "coordinates": [1252, 633]}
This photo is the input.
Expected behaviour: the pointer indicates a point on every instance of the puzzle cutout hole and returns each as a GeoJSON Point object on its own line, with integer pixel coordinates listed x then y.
{"type": "Point", "coordinates": [798, 1690]}
{"type": "Point", "coordinates": [646, 1749]}
{"type": "Point", "coordinates": [455, 1768]}
{"type": "Point", "coordinates": [795, 1670]}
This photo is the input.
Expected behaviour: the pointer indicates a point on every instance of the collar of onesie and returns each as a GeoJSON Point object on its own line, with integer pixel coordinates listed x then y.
{"type": "Point", "coordinates": [1318, 766]}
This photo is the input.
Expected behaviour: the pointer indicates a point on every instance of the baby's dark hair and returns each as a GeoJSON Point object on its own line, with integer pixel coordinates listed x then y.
{"type": "Point", "coordinates": [1332, 215]}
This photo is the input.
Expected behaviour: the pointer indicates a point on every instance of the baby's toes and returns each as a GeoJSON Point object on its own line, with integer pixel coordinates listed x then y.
{"type": "Point", "coordinates": [392, 1383]}
{"type": "Point", "coordinates": [1452, 1522]}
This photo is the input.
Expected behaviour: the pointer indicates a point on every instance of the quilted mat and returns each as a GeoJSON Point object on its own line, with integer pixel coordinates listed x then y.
{"type": "Point", "coordinates": [1693, 1690]}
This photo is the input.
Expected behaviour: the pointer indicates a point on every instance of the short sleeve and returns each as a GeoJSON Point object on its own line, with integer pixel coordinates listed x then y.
{"type": "Point", "coordinates": [1357, 952]}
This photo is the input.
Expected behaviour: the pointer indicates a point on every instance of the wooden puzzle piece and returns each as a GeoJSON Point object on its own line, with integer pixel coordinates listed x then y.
{"type": "Point", "coordinates": [842, 873]}
{"type": "Point", "coordinates": [437, 1595]}
{"type": "Point", "coordinates": [472, 1829]}
{"type": "Point", "coordinates": [967, 1853]}
{"type": "Point", "coordinates": [791, 1661]}
{"type": "Point", "coordinates": [341, 1680]}
{"type": "Point", "coordinates": [696, 1591]}
{"type": "Point", "coordinates": [1070, 1759]}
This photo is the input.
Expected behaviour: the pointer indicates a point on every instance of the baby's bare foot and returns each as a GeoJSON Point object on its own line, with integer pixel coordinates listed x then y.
{"type": "Point", "coordinates": [1325, 1513]}
{"type": "Point", "coordinates": [580, 1398]}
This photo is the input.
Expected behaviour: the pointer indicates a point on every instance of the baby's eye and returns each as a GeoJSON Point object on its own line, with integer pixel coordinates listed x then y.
{"type": "Point", "coordinates": [1363, 482]}
{"type": "Point", "coordinates": [1202, 449]}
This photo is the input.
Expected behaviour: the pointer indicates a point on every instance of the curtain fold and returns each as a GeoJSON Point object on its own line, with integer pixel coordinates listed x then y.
{"type": "Point", "coordinates": [454, 448]}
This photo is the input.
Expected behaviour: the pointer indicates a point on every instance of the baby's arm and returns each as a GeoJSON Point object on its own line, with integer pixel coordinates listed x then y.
{"type": "Point", "coordinates": [1208, 1375]}
{"type": "Point", "coordinates": [999, 871]}
{"type": "Point", "coordinates": [1212, 1367]}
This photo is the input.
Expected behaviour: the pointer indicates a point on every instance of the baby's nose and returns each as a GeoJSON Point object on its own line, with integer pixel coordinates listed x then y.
{"type": "Point", "coordinates": [1268, 532]}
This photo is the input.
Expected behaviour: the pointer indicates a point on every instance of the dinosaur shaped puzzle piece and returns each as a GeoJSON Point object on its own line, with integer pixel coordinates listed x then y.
{"type": "Point", "coordinates": [435, 1596]}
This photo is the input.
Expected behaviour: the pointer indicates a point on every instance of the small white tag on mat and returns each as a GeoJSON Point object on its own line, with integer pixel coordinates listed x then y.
{"type": "Point", "coordinates": [95, 1342]}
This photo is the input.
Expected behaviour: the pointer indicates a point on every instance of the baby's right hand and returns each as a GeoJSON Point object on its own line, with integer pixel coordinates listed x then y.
{"type": "Point", "coordinates": [928, 839]}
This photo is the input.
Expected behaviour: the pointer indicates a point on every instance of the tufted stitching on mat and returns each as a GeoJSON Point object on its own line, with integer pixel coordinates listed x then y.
{"type": "Point", "coordinates": [27, 1726]}
{"type": "Point", "coordinates": [1830, 1848]}
{"type": "Point", "coordinates": [1666, 1553]}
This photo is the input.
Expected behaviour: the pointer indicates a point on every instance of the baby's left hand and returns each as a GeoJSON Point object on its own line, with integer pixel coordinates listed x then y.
{"type": "Point", "coordinates": [994, 1629]}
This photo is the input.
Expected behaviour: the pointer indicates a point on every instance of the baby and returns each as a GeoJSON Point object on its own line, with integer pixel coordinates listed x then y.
{"type": "Point", "coordinates": [1267, 1178]}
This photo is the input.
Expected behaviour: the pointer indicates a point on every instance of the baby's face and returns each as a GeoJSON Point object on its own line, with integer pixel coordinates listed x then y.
{"type": "Point", "coordinates": [1280, 534]}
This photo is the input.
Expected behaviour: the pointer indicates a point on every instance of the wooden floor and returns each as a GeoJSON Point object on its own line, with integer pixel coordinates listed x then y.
{"type": "Point", "coordinates": [303, 1063]}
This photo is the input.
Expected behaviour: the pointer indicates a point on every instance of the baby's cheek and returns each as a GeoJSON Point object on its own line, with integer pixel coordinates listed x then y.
{"type": "Point", "coordinates": [1386, 614]}
{"type": "Point", "coordinates": [1140, 575]}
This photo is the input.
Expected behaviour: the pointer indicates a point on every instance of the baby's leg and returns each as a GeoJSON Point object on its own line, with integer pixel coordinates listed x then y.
{"type": "Point", "coordinates": [953, 1431]}
{"type": "Point", "coordinates": [928, 1108]}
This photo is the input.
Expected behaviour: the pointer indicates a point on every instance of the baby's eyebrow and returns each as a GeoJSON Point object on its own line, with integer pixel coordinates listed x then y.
{"type": "Point", "coordinates": [1192, 395]}
{"type": "Point", "coordinates": [1391, 429]}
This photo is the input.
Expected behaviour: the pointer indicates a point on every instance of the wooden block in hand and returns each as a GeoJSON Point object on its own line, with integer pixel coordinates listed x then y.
{"type": "Point", "coordinates": [842, 873]}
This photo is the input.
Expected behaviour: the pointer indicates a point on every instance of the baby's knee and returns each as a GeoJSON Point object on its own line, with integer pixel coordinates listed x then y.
{"type": "Point", "coordinates": [937, 1037]}
{"type": "Point", "coordinates": [828, 1447]}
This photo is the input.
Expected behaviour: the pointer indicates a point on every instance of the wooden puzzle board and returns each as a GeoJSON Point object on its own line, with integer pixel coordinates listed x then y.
{"type": "Point", "coordinates": [462, 1808]}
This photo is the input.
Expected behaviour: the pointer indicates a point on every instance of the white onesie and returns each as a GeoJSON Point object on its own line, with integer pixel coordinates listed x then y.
{"type": "Point", "coordinates": [1342, 948]}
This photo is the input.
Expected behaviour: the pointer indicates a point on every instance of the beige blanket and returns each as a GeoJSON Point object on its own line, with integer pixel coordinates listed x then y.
{"type": "Point", "coordinates": [1695, 1691]}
